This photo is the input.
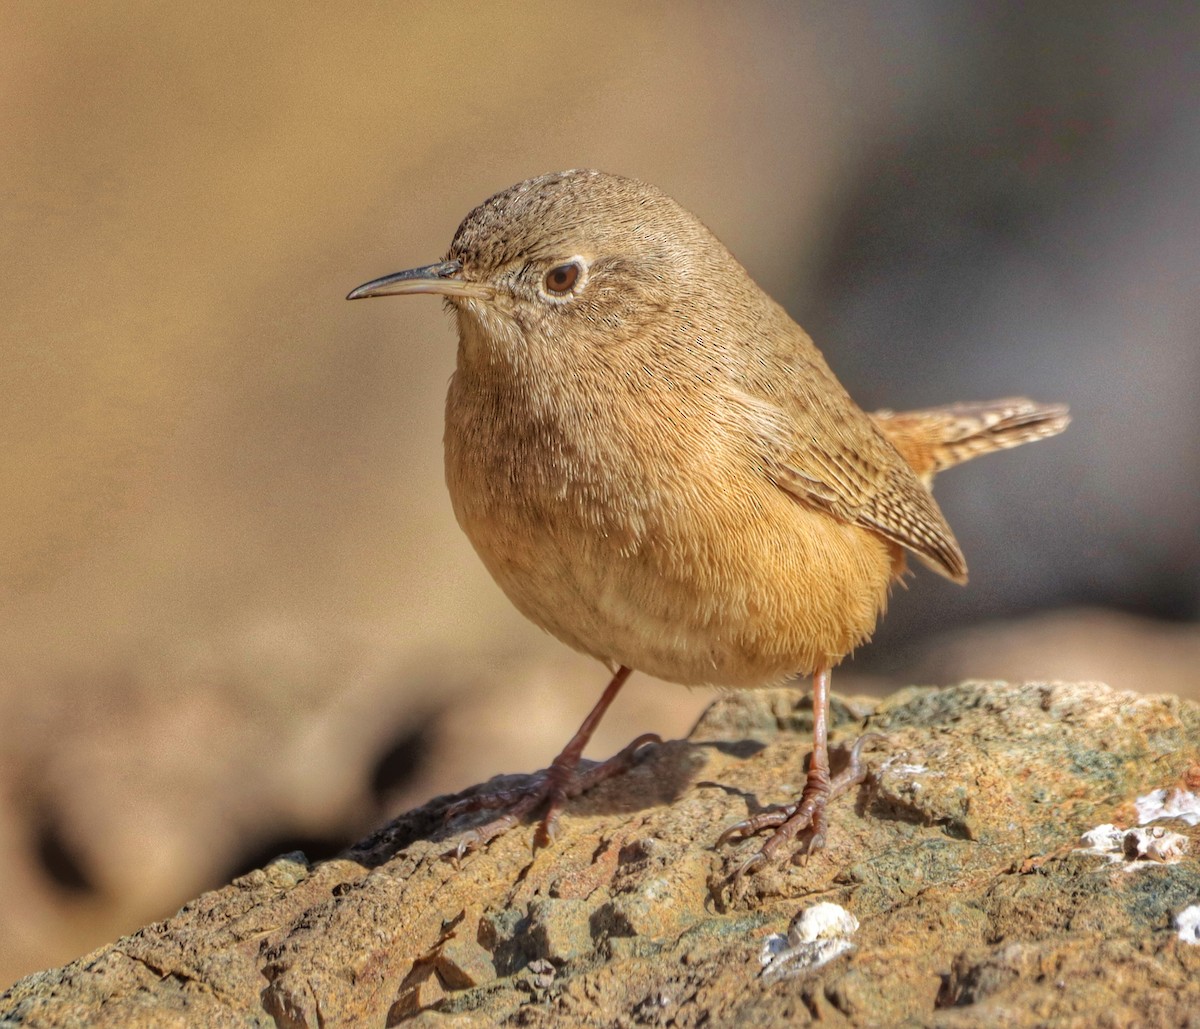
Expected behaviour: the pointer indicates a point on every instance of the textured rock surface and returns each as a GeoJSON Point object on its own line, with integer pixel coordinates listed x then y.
{"type": "Point", "coordinates": [960, 858]}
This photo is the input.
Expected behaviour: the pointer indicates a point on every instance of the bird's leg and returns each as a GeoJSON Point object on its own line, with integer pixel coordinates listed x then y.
{"type": "Point", "coordinates": [809, 811]}
{"type": "Point", "coordinates": [554, 786]}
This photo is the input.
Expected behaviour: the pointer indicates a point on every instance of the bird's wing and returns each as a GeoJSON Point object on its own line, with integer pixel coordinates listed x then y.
{"type": "Point", "coordinates": [821, 448]}
{"type": "Point", "coordinates": [874, 490]}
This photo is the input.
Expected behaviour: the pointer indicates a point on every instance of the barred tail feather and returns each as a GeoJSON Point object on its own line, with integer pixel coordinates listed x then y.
{"type": "Point", "coordinates": [937, 438]}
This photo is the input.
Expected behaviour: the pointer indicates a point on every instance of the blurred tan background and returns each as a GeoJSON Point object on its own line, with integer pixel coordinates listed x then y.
{"type": "Point", "coordinates": [238, 616]}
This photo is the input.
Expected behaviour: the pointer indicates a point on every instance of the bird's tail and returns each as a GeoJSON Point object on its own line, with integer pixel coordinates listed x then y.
{"type": "Point", "coordinates": [939, 437]}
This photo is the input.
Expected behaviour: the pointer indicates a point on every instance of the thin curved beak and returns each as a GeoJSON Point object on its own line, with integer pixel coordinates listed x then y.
{"type": "Point", "coordinates": [433, 278]}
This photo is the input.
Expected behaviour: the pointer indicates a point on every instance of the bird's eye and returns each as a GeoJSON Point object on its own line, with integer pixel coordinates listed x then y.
{"type": "Point", "coordinates": [561, 280]}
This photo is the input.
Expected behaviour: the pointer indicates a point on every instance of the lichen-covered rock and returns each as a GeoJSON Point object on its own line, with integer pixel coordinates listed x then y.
{"type": "Point", "coordinates": [960, 859]}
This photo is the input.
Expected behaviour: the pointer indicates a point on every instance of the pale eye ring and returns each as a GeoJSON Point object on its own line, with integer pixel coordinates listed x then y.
{"type": "Point", "coordinates": [563, 278]}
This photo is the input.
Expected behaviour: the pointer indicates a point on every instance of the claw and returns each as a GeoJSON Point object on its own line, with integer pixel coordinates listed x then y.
{"type": "Point", "coordinates": [808, 813]}
{"type": "Point", "coordinates": [856, 765]}
{"type": "Point", "coordinates": [748, 867]}
{"type": "Point", "coordinates": [553, 787]}
{"type": "Point", "coordinates": [748, 827]}
{"type": "Point", "coordinates": [621, 761]}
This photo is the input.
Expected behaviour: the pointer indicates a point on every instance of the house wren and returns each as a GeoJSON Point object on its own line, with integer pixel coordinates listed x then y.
{"type": "Point", "coordinates": [658, 467]}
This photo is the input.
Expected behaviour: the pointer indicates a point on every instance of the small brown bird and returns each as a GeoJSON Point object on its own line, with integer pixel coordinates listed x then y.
{"type": "Point", "coordinates": [658, 467]}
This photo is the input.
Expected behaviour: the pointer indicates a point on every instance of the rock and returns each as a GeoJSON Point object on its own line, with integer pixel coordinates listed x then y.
{"type": "Point", "coordinates": [963, 891]}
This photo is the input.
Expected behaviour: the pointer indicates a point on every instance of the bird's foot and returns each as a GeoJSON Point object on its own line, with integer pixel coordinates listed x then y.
{"type": "Point", "coordinates": [808, 813]}
{"type": "Point", "coordinates": [565, 779]}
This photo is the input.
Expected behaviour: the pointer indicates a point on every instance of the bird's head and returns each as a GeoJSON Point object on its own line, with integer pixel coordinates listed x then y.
{"type": "Point", "coordinates": [580, 260]}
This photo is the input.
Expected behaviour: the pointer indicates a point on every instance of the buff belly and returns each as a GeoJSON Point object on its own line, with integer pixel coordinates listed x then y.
{"type": "Point", "coordinates": [740, 594]}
